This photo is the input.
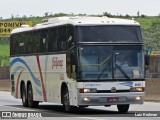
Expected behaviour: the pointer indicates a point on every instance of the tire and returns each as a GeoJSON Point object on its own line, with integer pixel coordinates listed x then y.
{"type": "Point", "coordinates": [31, 102]}
{"type": "Point", "coordinates": [66, 102]}
{"type": "Point", "coordinates": [24, 96]}
{"type": "Point", "coordinates": [123, 108]}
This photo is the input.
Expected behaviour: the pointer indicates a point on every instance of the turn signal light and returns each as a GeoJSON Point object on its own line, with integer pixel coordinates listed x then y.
{"type": "Point", "coordinates": [141, 89]}
{"type": "Point", "coordinates": [92, 90]}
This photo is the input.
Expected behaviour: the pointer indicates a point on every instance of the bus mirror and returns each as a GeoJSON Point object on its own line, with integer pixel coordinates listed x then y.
{"type": "Point", "coordinates": [146, 59]}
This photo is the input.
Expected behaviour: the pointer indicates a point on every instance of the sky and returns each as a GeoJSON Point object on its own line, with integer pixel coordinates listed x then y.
{"type": "Point", "coordinates": [89, 7]}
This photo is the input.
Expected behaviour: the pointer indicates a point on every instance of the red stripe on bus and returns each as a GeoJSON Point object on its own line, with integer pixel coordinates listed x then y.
{"type": "Point", "coordinates": [18, 83]}
{"type": "Point", "coordinates": [40, 71]}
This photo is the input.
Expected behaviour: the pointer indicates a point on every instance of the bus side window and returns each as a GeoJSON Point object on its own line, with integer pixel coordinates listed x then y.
{"type": "Point", "coordinates": [62, 38]}
{"type": "Point", "coordinates": [35, 41]}
{"type": "Point", "coordinates": [28, 43]}
{"type": "Point", "coordinates": [16, 44]}
{"type": "Point", "coordinates": [12, 45]}
{"type": "Point", "coordinates": [70, 36]}
{"type": "Point", "coordinates": [22, 39]}
{"type": "Point", "coordinates": [44, 41]}
{"type": "Point", "coordinates": [52, 41]}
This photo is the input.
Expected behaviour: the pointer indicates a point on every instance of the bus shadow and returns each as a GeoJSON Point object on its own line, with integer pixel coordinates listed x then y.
{"type": "Point", "coordinates": [82, 112]}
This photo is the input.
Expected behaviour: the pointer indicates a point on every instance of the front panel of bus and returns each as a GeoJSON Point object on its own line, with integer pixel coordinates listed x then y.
{"type": "Point", "coordinates": [110, 65]}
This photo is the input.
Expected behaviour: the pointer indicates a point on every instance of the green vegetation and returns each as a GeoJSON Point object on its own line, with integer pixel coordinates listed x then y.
{"type": "Point", "coordinates": [4, 54]}
{"type": "Point", "coordinates": [150, 31]}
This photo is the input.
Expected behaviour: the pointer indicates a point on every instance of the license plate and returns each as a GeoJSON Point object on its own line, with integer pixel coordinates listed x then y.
{"type": "Point", "coordinates": [112, 99]}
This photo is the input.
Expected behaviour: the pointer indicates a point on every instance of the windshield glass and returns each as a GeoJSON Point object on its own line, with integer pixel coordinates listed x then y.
{"type": "Point", "coordinates": [107, 62]}
{"type": "Point", "coordinates": [128, 62]}
{"type": "Point", "coordinates": [109, 33]}
{"type": "Point", "coordinates": [95, 62]}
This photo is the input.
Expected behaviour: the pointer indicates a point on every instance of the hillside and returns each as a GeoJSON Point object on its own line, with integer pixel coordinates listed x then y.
{"type": "Point", "coordinates": [150, 31]}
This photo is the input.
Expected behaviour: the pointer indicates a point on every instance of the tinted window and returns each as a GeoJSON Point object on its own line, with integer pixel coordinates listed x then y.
{"type": "Point", "coordinates": [109, 33]}
{"type": "Point", "coordinates": [62, 34]}
{"type": "Point", "coordinates": [28, 42]}
{"type": "Point", "coordinates": [70, 36]}
{"type": "Point", "coordinates": [36, 41]}
{"type": "Point", "coordinates": [52, 43]}
{"type": "Point", "coordinates": [44, 41]}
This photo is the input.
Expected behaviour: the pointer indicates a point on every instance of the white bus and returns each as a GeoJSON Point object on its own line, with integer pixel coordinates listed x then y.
{"type": "Point", "coordinates": [78, 62]}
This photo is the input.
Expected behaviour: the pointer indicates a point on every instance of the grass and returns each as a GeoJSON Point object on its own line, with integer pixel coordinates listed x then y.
{"type": "Point", "coordinates": [4, 55]}
{"type": "Point", "coordinates": [148, 22]}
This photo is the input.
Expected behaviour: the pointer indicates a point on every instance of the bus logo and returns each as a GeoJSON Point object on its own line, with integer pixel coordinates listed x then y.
{"type": "Point", "coordinates": [56, 62]}
{"type": "Point", "coordinates": [113, 89]}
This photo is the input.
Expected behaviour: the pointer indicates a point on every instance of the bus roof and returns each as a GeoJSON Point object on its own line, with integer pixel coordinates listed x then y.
{"type": "Point", "coordinates": [76, 21]}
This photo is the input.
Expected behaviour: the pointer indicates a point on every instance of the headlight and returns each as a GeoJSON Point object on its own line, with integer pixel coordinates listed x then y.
{"type": "Point", "coordinates": [141, 89]}
{"type": "Point", "coordinates": [86, 90]}
{"type": "Point", "coordinates": [138, 98]}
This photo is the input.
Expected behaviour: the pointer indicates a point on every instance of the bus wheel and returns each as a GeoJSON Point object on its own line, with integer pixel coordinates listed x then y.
{"type": "Point", "coordinates": [31, 103]}
{"type": "Point", "coordinates": [123, 108]}
{"type": "Point", "coordinates": [66, 102]}
{"type": "Point", "coordinates": [24, 98]}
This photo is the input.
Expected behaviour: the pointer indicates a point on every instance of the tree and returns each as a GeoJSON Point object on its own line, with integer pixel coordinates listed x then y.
{"type": "Point", "coordinates": [138, 13]}
{"type": "Point", "coordinates": [127, 16]}
{"type": "Point", "coordinates": [107, 14]}
{"type": "Point", "coordinates": [24, 16]}
{"type": "Point", "coordinates": [12, 16]}
{"type": "Point", "coordinates": [46, 14]}
{"type": "Point", "coordinates": [143, 16]}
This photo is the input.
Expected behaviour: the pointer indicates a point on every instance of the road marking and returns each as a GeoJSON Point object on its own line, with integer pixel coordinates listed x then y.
{"type": "Point", "coordinates": [18, 108]}
{"type": "Point", "coordinates": [90, 118]}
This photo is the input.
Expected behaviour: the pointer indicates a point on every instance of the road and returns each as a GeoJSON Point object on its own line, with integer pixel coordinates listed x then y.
{"type": "Point", "coordinates": [54, 111]}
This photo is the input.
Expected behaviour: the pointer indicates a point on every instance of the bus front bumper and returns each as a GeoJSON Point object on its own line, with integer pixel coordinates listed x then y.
{"type": "Point", "coordinates": [96, 99]}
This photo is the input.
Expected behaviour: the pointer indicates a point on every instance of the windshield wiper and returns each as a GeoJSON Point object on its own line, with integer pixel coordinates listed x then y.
{"type": "Point", "coordinates": [106, 60]}
{"type": "Point", "coordinates": [122, 71]}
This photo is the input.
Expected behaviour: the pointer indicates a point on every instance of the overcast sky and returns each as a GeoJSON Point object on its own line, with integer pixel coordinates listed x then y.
{"type": "Point", "coordinates": [94, 7]}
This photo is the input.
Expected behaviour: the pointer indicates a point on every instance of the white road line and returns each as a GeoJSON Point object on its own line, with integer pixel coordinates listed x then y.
{"type": "Point", "coordinates": [18, 108]}
{"type": "Point", "coordinates": [91, 118]}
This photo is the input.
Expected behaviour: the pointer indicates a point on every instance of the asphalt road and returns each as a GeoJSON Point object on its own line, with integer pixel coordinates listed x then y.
{"type": "Point", "coordinates": [54, 111]}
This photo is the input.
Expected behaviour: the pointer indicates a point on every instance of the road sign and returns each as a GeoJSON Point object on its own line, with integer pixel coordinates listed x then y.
{"type": "Point", "coordinates": [7, 26]}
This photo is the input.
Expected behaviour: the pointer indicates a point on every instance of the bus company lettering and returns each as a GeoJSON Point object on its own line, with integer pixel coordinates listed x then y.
{"type": "Point", "coordinates": [56, 62]}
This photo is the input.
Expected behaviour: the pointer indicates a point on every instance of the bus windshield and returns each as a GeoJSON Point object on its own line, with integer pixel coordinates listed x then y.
{"type": "Point", "coordinates": [104, 62]}
{"type": "Point", "coordinates": [109, 33]}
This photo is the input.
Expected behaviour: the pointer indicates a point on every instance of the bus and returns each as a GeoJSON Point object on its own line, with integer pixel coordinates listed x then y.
{"type": "Point", "coordinates": [78, 62]}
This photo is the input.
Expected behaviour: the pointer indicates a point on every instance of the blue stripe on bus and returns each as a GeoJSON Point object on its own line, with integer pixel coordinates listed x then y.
{"type": "Point", "coordinates": [127, 83]}
{"type": "Point", "coordinates": [24, 63]}
{"type": "Point", "coordinates": [17, 69]}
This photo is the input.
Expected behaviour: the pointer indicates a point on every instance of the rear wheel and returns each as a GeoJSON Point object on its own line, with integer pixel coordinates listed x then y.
{"type": "Point", "coordinates": [31, 102]}
{"type": "Point", "coordinates": [24, 96]}
{"type": "Point", "coordinates": [123, 108]}
{"type": "Point", "coordinates": [66, 102]}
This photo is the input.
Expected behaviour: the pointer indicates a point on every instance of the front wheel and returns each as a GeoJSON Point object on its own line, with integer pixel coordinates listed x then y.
{"type": "Point", "coordinates": [66, 102]}
{"type": "Point", "coordinates": [31, 102]}
{"type": "Point", "coordinates": [123, 108]}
